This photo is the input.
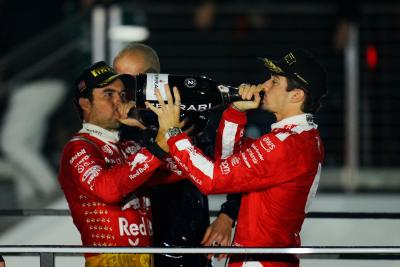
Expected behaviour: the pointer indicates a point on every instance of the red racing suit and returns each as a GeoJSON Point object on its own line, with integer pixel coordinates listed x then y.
{"type": "Point", "coordinates": [97, 172]}
{"type": "Point", "coordinates": [277, 173]}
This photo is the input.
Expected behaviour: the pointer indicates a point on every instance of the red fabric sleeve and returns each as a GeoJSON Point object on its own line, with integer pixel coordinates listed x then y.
{"type": "Point", "coordinates": [255, 167]}
{"type": "Point", "coordinates": [230, 133]}
{"type": "Point", "coordinates": [84, 164]}
{"type": "Point", "coordinates": [169, 172]}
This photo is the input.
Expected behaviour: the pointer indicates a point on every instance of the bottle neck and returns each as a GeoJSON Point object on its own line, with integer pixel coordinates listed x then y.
{"type": "Point", "coordinates": [231, 94]}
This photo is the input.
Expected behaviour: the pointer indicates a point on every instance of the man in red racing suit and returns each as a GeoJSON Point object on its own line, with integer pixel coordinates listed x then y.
{"type": "Point", "coordinates": [98, 172]}
{"type": "Point", "coordinates": [278, 173]}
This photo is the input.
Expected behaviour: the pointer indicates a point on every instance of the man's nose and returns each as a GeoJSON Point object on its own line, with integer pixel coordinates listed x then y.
{"type": "Point", "coordinates": [118, 99]}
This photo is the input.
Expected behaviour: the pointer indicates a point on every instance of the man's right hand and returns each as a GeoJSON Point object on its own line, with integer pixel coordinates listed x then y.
{"type": "Point", "coordinates": [168, 114]}
{"type": "Point", "coordinates": [123, 110]}
{"type": "Point", "coordinates": [251, 96]}
{"type": "Point", "coordinates": [219, 234]}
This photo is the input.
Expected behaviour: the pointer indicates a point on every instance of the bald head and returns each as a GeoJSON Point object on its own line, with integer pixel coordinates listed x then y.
{"type": "Point", "coordinates": [137, 58]}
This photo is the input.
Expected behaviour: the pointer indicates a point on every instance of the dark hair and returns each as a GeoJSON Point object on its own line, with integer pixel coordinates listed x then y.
{"type": "Point", "coordinates": [310, 104]}
{"type": "Point", "coordinates": [86, 94]}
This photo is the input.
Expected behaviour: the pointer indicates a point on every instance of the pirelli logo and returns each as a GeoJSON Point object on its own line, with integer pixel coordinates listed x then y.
{"type": "Point", "coordinates": [99, 71]}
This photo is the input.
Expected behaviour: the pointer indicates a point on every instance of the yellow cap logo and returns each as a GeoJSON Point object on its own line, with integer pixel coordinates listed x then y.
{"type": "Point", "coordinates": [99, 71]}
{"type": "Point", "coordinates": [271, 66]}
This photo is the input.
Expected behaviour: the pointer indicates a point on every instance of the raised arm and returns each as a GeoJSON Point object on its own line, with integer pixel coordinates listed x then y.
{"type": "Point", "coordinates": [193, 162]}
{"type": "Point", "coordinates": [84, 164]}
{"type": "Point", "coordinates": [250, 169]}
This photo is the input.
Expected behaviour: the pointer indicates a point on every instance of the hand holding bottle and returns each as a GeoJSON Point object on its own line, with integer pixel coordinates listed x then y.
{"type": "Point", "coordinates": [123, 110]}
{"type": "Point", "coordinates": [250, 95]}
{"type": "Point", "coordinates": [168, 113]}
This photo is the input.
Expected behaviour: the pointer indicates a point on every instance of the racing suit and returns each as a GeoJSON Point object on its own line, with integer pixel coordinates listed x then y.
{"type": "Point", "coordinates": [97, 172]}
{"type": "Point", "coordinates": [278, 174]}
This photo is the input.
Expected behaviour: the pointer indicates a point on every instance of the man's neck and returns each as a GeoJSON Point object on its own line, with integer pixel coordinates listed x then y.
{"type": "Point", "coordinates": [288, 114]}
{"type": "Point", "coordinates": [100, 132]}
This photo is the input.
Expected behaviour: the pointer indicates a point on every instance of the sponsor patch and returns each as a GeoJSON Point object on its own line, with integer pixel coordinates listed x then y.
{"type": "Point", "coordinates": [224, 166]}
{"type": "Point", "coordinates": [132, 229]}
{"type": "Point", "coordinates": [91, 174]}
{"type": "Point", "coordinates": [178, 160]}
{"type": "Point", "coordinates": [260, 156]}
{"type": "Point", "coordinates": [172, 166]}
{"type": "Point", "coordinates": [113, 161]}
{"type": "Point", "coordinates": [139, 158]}
{"type": "Point", "coordinates": [86, 157]}
{"type": "Point", "coordinates": [195, 179]}
{"type": "Point", "coordinates": [80, 169]}
{"type": "Point", "coordinates": [251, 154]}
{"type": "Point", "coordinates": [132, 149]}
{"type": "Point", "coordinates": [139, 171]}
{"type": "Point", "coordinates": [107, 149]}
{"type": "Point", "coordinates": [77, 155]}
{"type": "Point", "coordinates": [245, 159]}
{"type": "Point", "coordinates": [267, 144]}
{"type": "Point", "coordinates": [235, 161]}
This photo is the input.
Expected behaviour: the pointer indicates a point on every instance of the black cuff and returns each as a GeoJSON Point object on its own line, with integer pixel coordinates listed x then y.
{"type": "Point", "coordinates": [156, 150]}
{"type": "Point", "coordinates": [229, 210]}
{"type": "Point", "coordinates": [231, 207]}
{"type": "Point", "coordinates": [1, 259]}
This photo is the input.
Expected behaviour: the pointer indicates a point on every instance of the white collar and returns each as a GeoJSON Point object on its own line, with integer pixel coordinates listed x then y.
{"type": "Point", "coordinates": [100, 133]}
{"type": "Point", "coordinates": [305, 119]}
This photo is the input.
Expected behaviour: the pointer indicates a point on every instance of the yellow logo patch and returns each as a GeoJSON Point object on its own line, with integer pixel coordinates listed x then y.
{"type": "Point", "coordinates": [98, 71]}
{"type": "Point", "coordinates": [271, 66]}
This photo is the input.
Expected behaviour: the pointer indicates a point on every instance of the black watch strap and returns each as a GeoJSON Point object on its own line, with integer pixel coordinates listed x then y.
{"type": "Point", "coordinates": [155, 149]}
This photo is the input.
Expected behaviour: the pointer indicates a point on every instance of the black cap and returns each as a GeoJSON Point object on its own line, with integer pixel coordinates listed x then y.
{"type": "Point", "coordinates": [97, 75]}
{"type": "Point", "coordinates": [304, 68]}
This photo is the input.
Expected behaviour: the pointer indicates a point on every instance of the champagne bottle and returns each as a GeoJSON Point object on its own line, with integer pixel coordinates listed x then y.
{"type": "Point", "coordinates": [198, 93]}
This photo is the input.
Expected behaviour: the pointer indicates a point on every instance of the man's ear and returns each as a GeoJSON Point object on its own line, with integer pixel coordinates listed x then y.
{"type": "Point", "coordinates": [84, 103]}
{"type": "Point", "coordinates": [298, 95]}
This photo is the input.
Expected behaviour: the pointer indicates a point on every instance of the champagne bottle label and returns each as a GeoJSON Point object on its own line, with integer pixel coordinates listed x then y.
{"type": "Point", "coordinates": [154, 81]}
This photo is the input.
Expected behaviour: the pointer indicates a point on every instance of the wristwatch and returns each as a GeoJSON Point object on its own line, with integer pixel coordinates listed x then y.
{"type": "Point", "coordinates": [172, 132]}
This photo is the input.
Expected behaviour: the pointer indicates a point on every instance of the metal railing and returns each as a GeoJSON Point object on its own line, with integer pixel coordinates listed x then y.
{"type": "Point", "coordinates": [213, 213]}
{"type": "Point", "coordinates": [47, 253]}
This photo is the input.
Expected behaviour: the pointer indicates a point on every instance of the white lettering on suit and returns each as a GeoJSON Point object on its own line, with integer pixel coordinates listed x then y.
{"type": "Point", "coordinates": [133, 229]}
{"type": "Point", "coordinates": [267, 144]}
{"type": "Point", "coordinates": [77, 155]}
{"type": "Point", "coordinates": [224, 166]}
{"type": "Point", "coordinates": [140, 158]}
